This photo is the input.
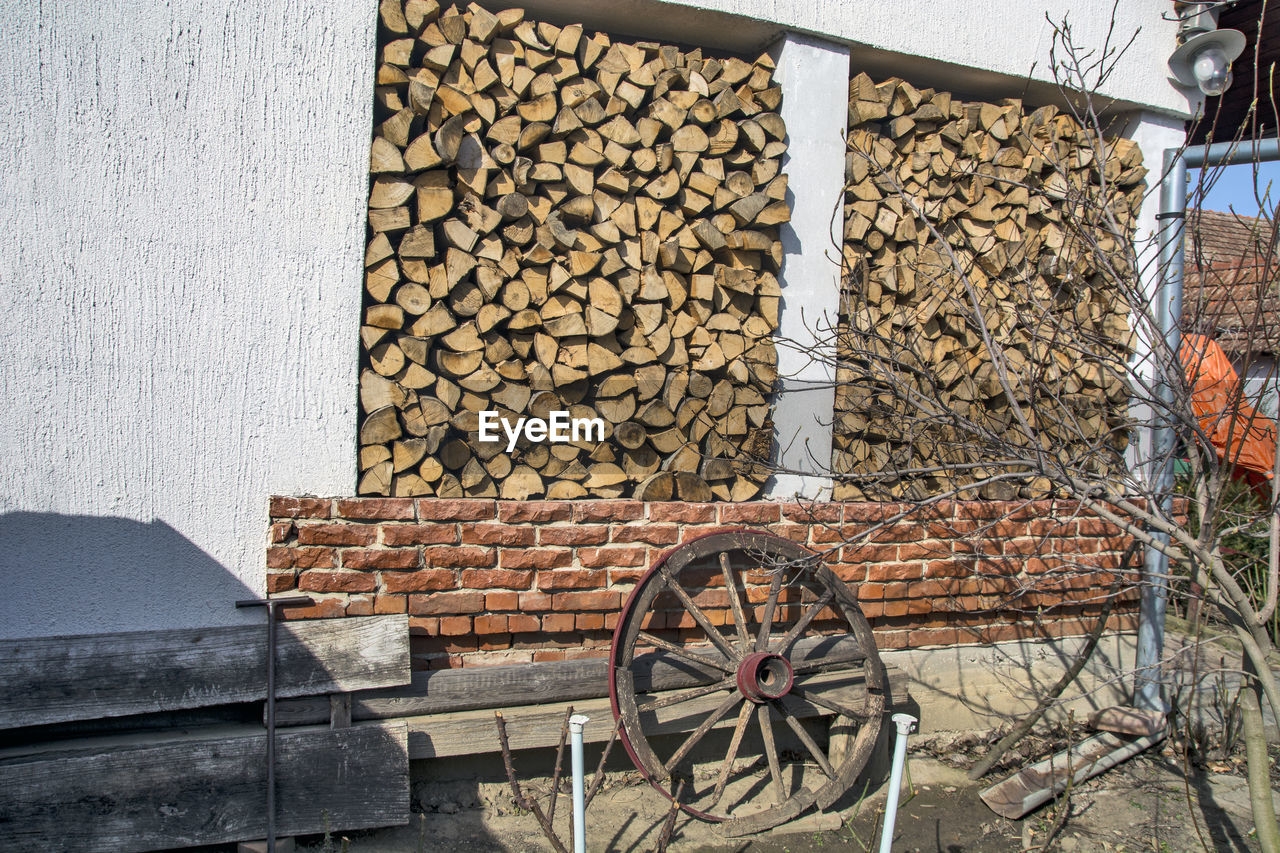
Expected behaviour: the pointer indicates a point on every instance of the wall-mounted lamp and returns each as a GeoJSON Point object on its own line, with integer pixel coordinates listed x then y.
{"type": "Point", "coordinates": [1204, 58]}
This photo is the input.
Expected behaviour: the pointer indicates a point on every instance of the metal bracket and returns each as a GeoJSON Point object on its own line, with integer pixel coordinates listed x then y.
{"type": "Point", "coordinates": [273, 606]}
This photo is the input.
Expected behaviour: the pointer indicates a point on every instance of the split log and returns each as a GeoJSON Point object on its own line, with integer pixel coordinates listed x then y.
{"type": "Point", "coordinates": [559, 221]}
{"type": "Point", "coordinates": [993, 180]}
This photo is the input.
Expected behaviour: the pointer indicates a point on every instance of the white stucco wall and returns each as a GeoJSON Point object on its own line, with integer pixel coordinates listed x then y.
{"type": "Point", "coordinates": [183, 188]}
{"type": "Point", "coordinates": [182, 198]}
{"type": "Point", "coordinates": [960, 45]}
{"type": "Point", "coordinates": [1262, 384]}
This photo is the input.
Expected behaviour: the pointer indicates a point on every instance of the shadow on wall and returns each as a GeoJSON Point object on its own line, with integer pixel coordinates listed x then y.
{"type": "Point", "coordinates": [67, 575]}
{"type": "Point", "coordinates": [76, 574]}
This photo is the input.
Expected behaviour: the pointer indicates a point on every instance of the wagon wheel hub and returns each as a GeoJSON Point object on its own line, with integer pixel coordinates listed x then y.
{"type": "Point", "coordinates": [764, 675]}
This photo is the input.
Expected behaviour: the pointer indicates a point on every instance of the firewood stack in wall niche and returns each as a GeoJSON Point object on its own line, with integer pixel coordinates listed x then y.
{"type": "Point", "coordinates": [1018, 198]}
{"type": "Point", "coordinates": [562, 222]}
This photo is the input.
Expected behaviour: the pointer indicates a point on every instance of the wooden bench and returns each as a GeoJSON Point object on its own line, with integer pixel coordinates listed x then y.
{"type": "Point", "coordinates": [139, 741]}
{"type": "Point", "coordinates": [450, 711]}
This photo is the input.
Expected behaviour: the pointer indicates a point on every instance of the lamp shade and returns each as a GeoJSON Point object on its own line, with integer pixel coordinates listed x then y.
{"type": "Point", "coordinates": [1211, 48]}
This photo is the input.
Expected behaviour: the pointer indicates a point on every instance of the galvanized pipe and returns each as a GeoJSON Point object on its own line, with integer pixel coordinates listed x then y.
{"type": "Point", "coordinates": [906, 725]}
{"type": "Point", "coordinates": [1171, 226]}
{"type": "Point", "coordinates": [1155, 565]}
{"type": "Point", "coordinates": [1033, 786]}
{"type": "Point", "coordinates": [1229, 154]}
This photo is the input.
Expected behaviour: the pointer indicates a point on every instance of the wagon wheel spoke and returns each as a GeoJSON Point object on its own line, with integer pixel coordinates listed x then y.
{"type": "Point", "coordinates": [744, 717]}
{"type": "Point", "coordinates": [739, 617]}
{"type": "Point", "coordinates": [826, 664]}
{"type": "Point", "coordinates": [682, 652]}
{"type": "Point", "coordinates": [677, 698]}
{"type": "Point", "coordinates": [713, 634]}
{"type": "Point", "coordinates": [771, 752]}
{"type": "Point", "coordinates": [814, 750]}
{"type": "Point", "coordinates": [770, 605]}
{"type": "Point", "coordinates": [813, 697]}
{"type": "Point", "coordinates": [714, 717]}
{"type": "Point", "coordinates": [799, 628]}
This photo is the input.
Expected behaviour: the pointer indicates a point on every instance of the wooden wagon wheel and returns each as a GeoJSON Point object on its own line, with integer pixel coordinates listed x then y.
{"type": "Point", "coordinates": [750, 632]}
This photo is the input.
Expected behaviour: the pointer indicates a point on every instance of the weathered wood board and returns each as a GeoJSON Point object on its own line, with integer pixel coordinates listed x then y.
{"type": "Point", "coordinates": [123, 794]}
{"type": "Point", "coordinates": [447, 690]}
{"type": "Point", "coordinates": [58, 679]}
{"type": "Point", "coordinates": [451, 690]}
{"type": "Point", "coordinates": [537, 726]}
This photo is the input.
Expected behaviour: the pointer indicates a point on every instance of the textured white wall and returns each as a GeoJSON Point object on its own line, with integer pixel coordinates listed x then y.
{"type": "Point", "coordinates": [961, 45]}
{"type": "Point", "coordinates": [182, 196]}
{"type": "Point", "coordinates": [182, 189]}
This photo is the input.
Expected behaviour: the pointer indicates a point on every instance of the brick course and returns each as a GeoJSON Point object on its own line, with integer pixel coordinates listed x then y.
{"type": "Point", "coordinates": [488, 582]}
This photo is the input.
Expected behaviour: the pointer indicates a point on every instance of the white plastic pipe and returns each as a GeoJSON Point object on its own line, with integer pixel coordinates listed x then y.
{"type": "Point", "coordinates": [906, 725]}
{"type": "Point", "coordinates": [576, 722]}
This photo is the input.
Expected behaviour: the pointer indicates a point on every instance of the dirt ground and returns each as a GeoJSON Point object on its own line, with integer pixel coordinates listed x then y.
{"type": "Point", "coordinates": [1186, 794]}
{"type": "Point", "coordinates": [1150, 803]}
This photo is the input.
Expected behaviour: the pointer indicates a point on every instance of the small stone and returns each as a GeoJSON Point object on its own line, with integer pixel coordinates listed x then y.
{"type": "Point", "coordinates": [449, 807]}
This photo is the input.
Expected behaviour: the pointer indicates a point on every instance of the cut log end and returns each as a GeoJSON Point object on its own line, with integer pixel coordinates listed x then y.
{"type": "Point", "coordinates": [560, 221]}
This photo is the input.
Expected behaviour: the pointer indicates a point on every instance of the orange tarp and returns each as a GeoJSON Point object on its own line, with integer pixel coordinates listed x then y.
{"type": "Point", "coordinates": [1239, 433]}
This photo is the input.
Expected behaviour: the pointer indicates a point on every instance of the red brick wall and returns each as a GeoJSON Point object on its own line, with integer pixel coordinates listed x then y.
{"type": "Point", "coordinates": [489, 582]}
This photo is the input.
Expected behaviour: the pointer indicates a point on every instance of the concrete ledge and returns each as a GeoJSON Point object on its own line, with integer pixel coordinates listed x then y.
{"type": "Point", "coordinates": [981, 687]}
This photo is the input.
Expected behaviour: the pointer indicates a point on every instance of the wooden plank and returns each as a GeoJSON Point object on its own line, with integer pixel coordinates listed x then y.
{"type": "Point", "coordinates": [450, 690]}
{"type": "Point", "coordinates": [119, 794]}
{"type": "Point", "coordinates": [339, 710]}
{"type": "Point", "coordinates": [447, 690]}
{"type": "Point", "coordinates": [537, 726]}
{"type": "Point", "coordinates": [58, 679]}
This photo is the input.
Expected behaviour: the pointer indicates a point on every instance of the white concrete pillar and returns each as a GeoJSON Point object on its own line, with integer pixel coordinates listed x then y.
{"type": "Point", "coordinates": [1154, 133]}
{"type": "Point", "coordinates": [814, 76]}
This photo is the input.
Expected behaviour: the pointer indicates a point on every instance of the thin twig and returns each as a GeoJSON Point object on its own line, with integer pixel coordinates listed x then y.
{"type": "Point", "coordinates": [1019, 731]}
{"type": "Point", "coordinates": [521, 800]}
{"type": "Point", "coordinates": [1064, 801]}
{"type": "Point", "coordinates": [598, 779]}
{"type": "Point", "coordinates": [555, 774]}
{"type": "Point", "coordinates": [670, 823]}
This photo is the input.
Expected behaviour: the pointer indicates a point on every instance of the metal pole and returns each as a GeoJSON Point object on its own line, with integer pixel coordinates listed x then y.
{"type": "Point", "coordinates": [1229, 154]}
{"type": "Point", "coordinates": [1171, 222]}
{"type": "Point", "coordinates": [906, 725]}
{"type": "Point", "coordinates": [576, 722]}
{"type": "Point", "coordinates": [272, 605]}
{"type": "Point", "coordinates": [1155, 563]}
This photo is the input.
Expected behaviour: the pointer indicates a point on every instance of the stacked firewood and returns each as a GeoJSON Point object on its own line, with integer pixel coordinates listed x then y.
{"type": "Point", "coordinates": [563, 222]}
{"type": "Point", "coordinates": [971, 227]}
